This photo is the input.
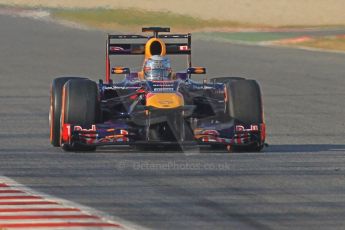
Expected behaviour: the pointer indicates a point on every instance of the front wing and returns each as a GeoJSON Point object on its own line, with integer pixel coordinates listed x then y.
{"type": "Point", "coordinates": [121, 134]}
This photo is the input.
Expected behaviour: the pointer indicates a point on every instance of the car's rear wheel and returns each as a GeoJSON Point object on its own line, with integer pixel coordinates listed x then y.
{"type": "Point", "coordinates": [80, 107]}
{"type": "Point", "coordinates": [55, 108]}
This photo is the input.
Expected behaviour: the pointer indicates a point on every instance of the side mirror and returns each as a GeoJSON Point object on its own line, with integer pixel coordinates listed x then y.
{"type": "Point", "coordinates": [120, 70]}
{"type": "Point", "coordinates": [196, 70]}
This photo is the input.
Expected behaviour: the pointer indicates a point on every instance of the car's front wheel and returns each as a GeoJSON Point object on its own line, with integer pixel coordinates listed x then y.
{"type": "Point", "coordinates": [55, 108]}
{"type": "Point", "coordinates": [244, 105]}
{"type": "Point", "coordinates": [79, 107]}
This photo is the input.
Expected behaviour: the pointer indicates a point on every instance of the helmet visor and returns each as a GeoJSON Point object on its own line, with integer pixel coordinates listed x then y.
{"type": "Point", "coordinates": [158, 74]}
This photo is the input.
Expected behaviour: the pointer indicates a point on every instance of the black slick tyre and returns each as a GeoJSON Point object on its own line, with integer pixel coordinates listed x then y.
{"type": "Point", "coordinates": [80, 107]}
{"type": "Point", "coordinates": [244, 105]}
{"type": "Point", "coordinates": [55, 108]}
{"type": "Point", "coordinates": [244, 101]}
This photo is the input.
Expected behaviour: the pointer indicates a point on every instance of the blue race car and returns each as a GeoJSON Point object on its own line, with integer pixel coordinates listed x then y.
{"type": "Point", "coordinates": [155, 106]}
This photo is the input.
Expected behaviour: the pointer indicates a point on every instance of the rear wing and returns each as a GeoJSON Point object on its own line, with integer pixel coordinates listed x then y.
{"type": "Point", "coordinates": [175, 44]}
{"type": "Point", "coordinates": [176, 48]}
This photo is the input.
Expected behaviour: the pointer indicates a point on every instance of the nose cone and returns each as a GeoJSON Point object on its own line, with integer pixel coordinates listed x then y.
{"type": "Point", "coordinates": [164, 100]}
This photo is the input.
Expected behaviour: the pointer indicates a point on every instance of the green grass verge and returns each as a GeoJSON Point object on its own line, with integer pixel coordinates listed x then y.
{"type": "Point", "coordinates": [251, 37]}
{"type": "Point", "coordinates": [132, 18]}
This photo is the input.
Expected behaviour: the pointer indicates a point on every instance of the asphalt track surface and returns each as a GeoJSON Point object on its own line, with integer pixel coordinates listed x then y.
{"type": "Point", "coordinates": [296, 183]}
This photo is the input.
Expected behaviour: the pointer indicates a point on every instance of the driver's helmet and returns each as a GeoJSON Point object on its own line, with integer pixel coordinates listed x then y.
{"type": "Point", "coordinates": [157, 68]}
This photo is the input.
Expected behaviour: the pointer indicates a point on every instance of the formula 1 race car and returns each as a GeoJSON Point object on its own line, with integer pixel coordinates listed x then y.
{"type": "Point", "coordinates": [155, 105]}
